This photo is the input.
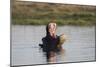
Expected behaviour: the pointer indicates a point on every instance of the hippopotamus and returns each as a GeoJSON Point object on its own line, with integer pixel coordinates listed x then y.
{"type": "Point", "coordinates": [51, 42]}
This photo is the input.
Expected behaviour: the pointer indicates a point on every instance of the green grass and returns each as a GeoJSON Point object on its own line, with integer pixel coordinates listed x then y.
{"type": "Point", "coordinates": [43, 13]}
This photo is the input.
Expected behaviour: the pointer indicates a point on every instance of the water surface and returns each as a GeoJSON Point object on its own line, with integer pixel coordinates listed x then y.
{"type": "Point", "coordinates": [25, 40]}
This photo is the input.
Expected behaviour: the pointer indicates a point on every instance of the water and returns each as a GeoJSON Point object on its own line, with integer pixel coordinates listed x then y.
{"type": "Point", "coordinates": [25, 40]}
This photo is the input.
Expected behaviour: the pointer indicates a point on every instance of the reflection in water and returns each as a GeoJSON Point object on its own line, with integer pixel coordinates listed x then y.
{"type": "Point", "coordinates": [51, 56]}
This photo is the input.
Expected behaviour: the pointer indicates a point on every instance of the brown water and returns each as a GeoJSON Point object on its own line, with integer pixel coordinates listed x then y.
{"type": "Point", "coordinates": [25, 42]}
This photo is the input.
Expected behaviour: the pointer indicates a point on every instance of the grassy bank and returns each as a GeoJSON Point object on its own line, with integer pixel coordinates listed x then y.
{"type": "Point", "coordinates": [29, 13]}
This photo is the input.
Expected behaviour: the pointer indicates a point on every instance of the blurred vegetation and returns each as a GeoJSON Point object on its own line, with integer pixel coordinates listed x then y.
{"type": "Point", "coordinates": [35, 13]}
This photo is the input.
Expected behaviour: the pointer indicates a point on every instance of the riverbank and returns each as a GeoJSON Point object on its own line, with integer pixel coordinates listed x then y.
{"type": "Point", "coordinates": [34, 13]}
